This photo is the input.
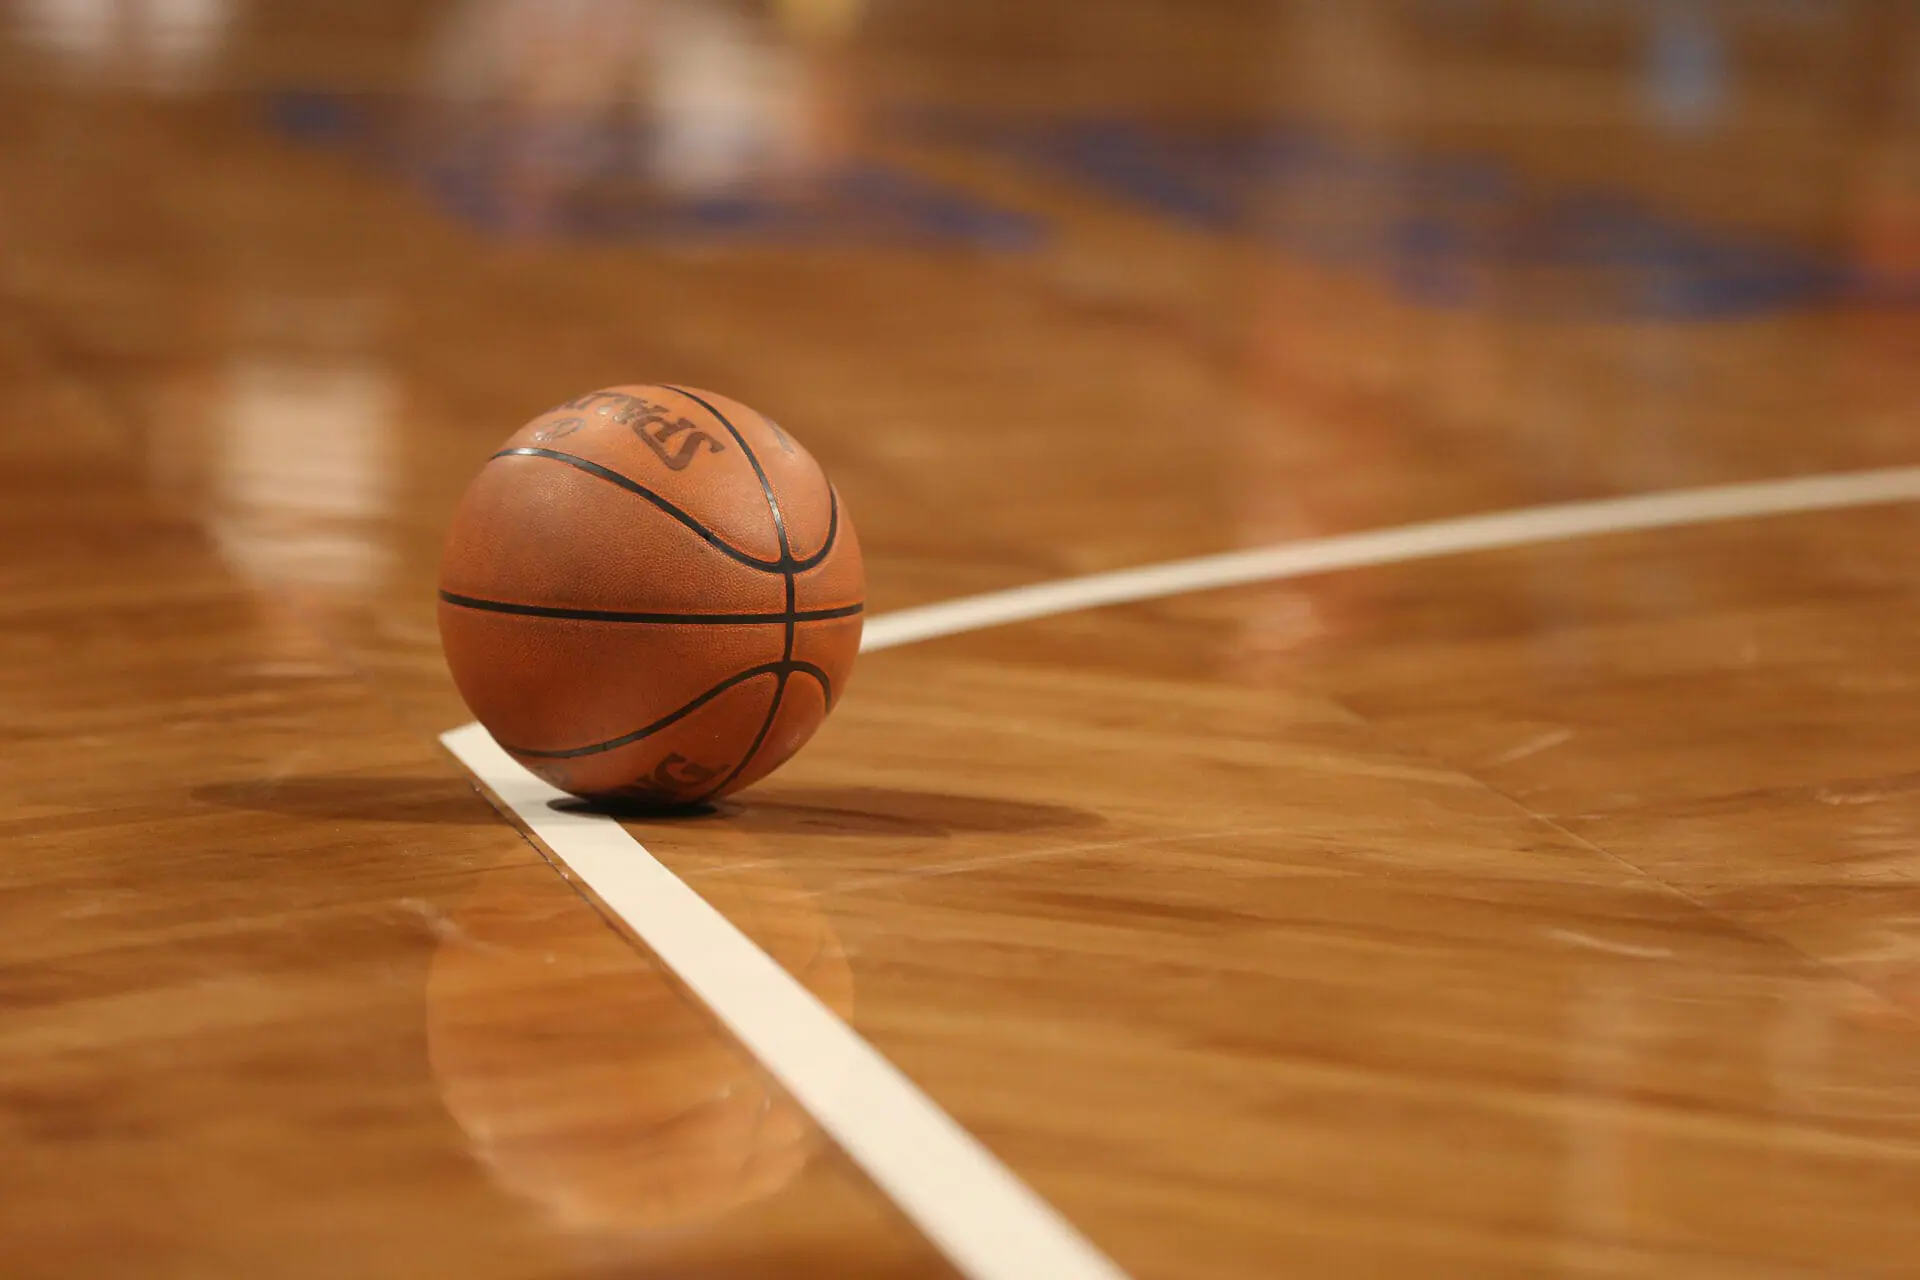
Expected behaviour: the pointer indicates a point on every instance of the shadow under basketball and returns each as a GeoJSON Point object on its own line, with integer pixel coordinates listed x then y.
{"type": "Point", "coordinates": [880, 812]}
{"type": "Point", "coordinates": [887, 812]}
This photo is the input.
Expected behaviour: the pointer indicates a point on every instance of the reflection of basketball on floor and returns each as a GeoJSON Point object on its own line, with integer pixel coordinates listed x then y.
{"type": "Point", "coordinates": [588, 1082]}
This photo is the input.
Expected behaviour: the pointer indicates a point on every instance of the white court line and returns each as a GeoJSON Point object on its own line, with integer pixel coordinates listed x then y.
{"type": "Point", "coordinates": [1526, 526]}
{"type": "Point", "coordinates": [985, 1220]}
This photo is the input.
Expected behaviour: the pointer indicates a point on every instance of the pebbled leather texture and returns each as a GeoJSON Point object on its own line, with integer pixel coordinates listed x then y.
{"type": "Point", "coordinates": [651, 594]}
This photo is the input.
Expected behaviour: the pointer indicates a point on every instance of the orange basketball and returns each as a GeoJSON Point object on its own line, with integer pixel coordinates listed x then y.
{"type": "Point", "coordinates": [651, 595]}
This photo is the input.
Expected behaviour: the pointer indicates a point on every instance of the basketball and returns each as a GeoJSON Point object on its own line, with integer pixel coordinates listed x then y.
{"type": "Point", "coordinates": [651, 595]}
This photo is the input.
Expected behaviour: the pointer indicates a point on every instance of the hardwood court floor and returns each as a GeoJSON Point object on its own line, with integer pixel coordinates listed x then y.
{"type": "Point", "coordinates": [1550, 911]}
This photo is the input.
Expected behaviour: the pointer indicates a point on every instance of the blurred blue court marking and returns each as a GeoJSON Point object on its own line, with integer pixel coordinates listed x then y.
{"type": "Point", "coordinates": [590, 182]}
{"type": "Point", "coordinates": [1441, 230]}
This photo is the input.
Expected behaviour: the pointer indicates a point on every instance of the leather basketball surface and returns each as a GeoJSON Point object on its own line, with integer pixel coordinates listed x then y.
{"type": "Point", "coordinates": [651, 594]}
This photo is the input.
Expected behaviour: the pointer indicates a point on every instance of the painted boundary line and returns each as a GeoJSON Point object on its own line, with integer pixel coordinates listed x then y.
{"type": "Point", "coordinates": [1526, 526]}
{"type": "Point", "coordinates": [986, 1221]}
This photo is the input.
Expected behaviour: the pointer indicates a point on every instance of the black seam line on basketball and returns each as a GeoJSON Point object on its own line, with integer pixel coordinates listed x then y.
{"type": "Point", "coordinates": [760, 472]}
{"type": "Point", "coordinates": [626, 739]}
{"type": "Point", "coordinates": [787, 558]}
{"type": "Point", "coordinates": [663, 619]}
{"type": "Point", "coordinates": [786, 565]}
{"type": "Point", "coordinates": [833, 531]}
{"type": "Point", "coordinates": [614, 477]}
{"type": "Point", "coordinates": [826, 685]}
{"type": "Point", "coordinates": [793, 616]}
{"type": "Point", "coordinates": [759, 739]}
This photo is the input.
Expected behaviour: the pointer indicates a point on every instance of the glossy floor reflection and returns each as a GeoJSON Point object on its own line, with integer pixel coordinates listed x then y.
{"type": "Point", "coordinates": [588, 1084]}
{"type": "Point", "coordinates": [1539, 912]}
